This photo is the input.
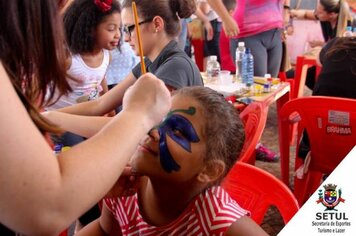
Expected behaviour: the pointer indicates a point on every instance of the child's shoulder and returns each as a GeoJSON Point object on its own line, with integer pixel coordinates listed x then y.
{"type": "Point", "coordinates": [220, 201]}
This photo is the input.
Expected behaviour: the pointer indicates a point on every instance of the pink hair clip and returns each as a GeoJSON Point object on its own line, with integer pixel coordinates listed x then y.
{"type": "Point", "coordinates": [104, 5]}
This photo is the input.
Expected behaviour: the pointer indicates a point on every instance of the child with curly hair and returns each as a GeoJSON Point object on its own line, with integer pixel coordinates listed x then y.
{"type": "Point", "coordinates": [92, 29]}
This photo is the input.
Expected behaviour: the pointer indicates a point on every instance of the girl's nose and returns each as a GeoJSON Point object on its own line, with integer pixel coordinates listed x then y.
{"type": "Point", "coordinates": [127, 38]}
{"type": "Point", "coordinates": [154, 134]}
{"type": "Point", "coordinates": [118, 33]}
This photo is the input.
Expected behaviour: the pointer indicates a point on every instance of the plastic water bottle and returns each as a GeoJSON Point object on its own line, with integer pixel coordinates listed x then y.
{"type": "Point", "coordinates": [212, 67]}
{"type": "Point", "coordinates": [240, 51]}
{"type": "Point", "coordinates": [348, 32]}
{"type": "Point", "coordinates": [247, 68]}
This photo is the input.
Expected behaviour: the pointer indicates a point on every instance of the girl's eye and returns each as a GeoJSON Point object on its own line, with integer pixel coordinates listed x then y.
{"type": "Point", "coordinates": [177, 132]}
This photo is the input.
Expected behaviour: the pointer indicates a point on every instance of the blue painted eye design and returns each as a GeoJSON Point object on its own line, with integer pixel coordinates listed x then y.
{"type": "Point", "coordinates": [179, 129]}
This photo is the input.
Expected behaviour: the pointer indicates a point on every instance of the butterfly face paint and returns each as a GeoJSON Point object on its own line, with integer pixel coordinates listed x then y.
{"type": "Point", "coordinates": [181, 131]}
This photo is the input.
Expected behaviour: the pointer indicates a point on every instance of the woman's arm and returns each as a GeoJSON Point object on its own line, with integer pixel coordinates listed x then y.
{"type": "Point", "coordinates": [204, 7]}
{"type": "Point", "coordinates": [229, 24]}
{"type": "Point", "coordinates": [41, 194]}
{"type": "Point", "coordinates": [286, 12]}
{"type": "Point", "coordinates": [104, 104]}
{"type": "Point", "coordinates": [85, 126]}
{"type": "Point", "coordinates": [303, 14]}
{"type": "Point", "coordinates": [207, 25]}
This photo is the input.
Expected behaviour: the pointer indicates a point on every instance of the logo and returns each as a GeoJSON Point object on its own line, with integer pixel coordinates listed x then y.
{"type": "Point", "coordinates": [330, 198]}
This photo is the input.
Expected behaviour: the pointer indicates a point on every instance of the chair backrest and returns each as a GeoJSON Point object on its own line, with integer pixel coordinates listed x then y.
{"type": "Point", "coordinates": [331, 126]}
{"type": "Point", "coordinates": [256, 190]}
{"type": "Point", "coordinates": [301, 67]}
{"type": "Point", "coordinates": [254, 117]}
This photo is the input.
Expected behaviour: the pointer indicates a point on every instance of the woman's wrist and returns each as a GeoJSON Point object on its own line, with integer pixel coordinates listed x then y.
{"type": "Point", "coordinates": [147, 119]}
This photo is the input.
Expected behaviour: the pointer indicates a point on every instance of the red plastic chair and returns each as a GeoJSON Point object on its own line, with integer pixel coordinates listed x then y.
{"type": "Point", "coordinates": [297, 83]}
{"type": "Point", "coordinates": [330, 123]}
{"type": "Point", "coordinates": [256, 190]}
{"type": "Point", "coordinates": [254, 117]}
{"type": "Point", "coordinates": [198, 45]}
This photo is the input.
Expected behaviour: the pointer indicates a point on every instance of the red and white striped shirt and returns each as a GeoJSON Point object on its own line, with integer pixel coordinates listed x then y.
{"type": "Point", "coordinates": [210, 213]}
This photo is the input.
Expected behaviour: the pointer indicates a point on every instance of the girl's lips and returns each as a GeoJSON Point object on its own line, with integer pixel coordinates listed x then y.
{"type": "Point", "coordinates": [147, 149]}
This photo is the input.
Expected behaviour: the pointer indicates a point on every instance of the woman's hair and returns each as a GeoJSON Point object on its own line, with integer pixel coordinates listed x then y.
{"type": "Point", "coordinates": [342, 9]}
{"type": "Point", "coordinates": [341, 49]}
{"type": "Point", "coordinates": [224, 131]}
{"type": "Point", "coordinates": [170, 11]}
{"type": "Point", "coordinates": [31, 51]}
{"type": "Point", "coordinates": [81, 19]}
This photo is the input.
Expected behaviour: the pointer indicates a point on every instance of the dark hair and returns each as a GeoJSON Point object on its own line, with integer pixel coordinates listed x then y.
{"type": "Point", "coordinates": [169, 10]}
{"type": "Point", "coordinates": [81, 19]}
{"type": "Point", "coordinates": [224, 130]}
{"type": "Point", "coordinates": [331, 5]}
{"type": "Point", "coordinates": [342, 48]}
{"type": "Point", "coordinates": [31, 50]}
{"type": "Point", "coordinates": [230, 4]}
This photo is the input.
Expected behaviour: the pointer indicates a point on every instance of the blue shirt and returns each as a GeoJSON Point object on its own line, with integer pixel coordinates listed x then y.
{"type": "Point", "coordinates": [121, 64]}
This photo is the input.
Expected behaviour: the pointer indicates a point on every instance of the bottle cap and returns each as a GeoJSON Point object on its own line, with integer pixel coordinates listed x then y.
{"type": "Point", "coordinates": [241, 44]}
{"type": "Point", "coordinates": [267, 76]}
{"type": "Point", "coordinates": [213, 58]}
{"type": "Point", "coordinates": [57, 148]}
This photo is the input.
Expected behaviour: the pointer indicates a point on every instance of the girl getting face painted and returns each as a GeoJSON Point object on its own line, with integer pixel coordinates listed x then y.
{"type": "Point", "coordinates": [182, 162]}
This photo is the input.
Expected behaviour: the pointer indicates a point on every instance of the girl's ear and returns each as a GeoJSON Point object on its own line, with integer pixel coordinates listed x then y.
{"type": "Point", "coordinates": [158, 23]}
{"type": "Point", "coordinates": [212, 171]}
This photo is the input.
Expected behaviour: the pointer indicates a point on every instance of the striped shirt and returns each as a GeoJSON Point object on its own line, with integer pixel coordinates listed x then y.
{"type": "Point", "coordinates": [211, 212]}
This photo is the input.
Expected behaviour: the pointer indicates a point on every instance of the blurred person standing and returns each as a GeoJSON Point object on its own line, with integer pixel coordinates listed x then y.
{"type": "Point", "coordinates": [259, 24]}
{"type": "Point", "coordinates": [211, 44]}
